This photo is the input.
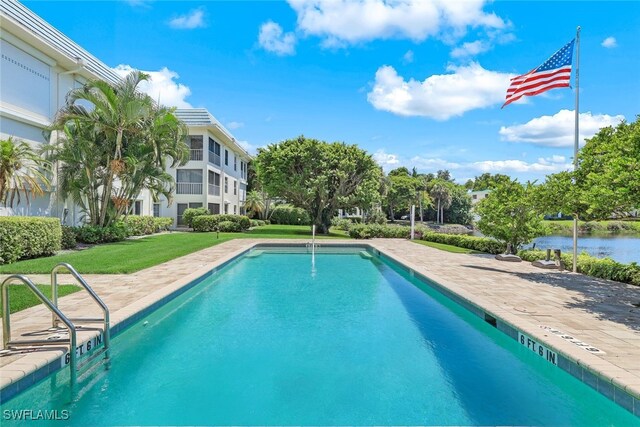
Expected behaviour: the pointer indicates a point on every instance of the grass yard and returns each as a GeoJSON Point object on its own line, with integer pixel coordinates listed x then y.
{"type": "Point", "coordinates": [448, 248]}
{"type": "Point", "coordinates": [137, 254]}
{"type": "Point", "coordinates": [21, 297]}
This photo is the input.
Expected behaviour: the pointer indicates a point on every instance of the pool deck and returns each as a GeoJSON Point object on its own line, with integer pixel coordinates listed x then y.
{"type": "Point", "coordinates": [601, 313]}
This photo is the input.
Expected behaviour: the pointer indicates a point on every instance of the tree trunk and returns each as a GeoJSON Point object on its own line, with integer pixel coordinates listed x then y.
{"type": "Point", "coordinates": [438, 213]}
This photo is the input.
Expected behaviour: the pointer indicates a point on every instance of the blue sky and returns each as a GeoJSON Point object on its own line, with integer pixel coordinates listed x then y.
{"type": "Point", "coordinates": [415, 83]}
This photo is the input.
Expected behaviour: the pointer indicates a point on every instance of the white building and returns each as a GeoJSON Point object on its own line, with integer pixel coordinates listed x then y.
{"type": "Point", "coordinates": [215, 176]}
{"type": "Point", "coordinates": [40, 65]}
{"type": "Point", "coordinates": [476, 196]}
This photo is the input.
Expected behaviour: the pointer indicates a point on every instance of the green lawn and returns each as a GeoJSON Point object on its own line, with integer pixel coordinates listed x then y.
{"type": "Point", "coordinates": [21, 297]}
{"type": "Point", "coordinates": [134, 255]}
{"type": "Point", "coordinates": [448, 248]}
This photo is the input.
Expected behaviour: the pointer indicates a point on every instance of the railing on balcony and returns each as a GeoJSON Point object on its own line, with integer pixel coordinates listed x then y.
{"type": "Point", "coordinates": [195, 154]}
{"type": "Point", "coordinates": [189, 188]}
{"type": "Point", "coordinates": [214, 158]}
{"type": "Point", "coordinates": [214, 190]}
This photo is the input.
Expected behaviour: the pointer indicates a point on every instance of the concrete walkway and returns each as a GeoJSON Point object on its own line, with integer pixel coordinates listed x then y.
{"type": "Point", "coordinates": [601, 313]}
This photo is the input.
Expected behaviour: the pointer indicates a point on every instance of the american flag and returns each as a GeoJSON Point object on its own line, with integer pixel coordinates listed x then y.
{"type": "Point", "coordinates": [555, 72]}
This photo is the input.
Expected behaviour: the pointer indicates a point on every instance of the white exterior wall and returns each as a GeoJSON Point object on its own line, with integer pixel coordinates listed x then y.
{"type": "Point", "coordinates": [32, 89]}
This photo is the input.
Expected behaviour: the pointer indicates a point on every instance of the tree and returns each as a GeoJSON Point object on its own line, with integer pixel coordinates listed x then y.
{"type": "Point", "coordinates": [487, 181]}
{"type": "Point", "coordinates": [401, 193]}
{"type": "Point", "coordinates": [120, 146]}
{"type": "Point", "coordinates": [459, 211]}
{"type": "Point", "coordinates": [608, 173]}
{"type": "Point", "coordinates": [440, 191]}
{"type": "Point", "coordinates": [508, 214]}
{"type": "Point", "coordinates": [22, 170]}
{"type": "Point", "coordinates": [444, 175]}
{"type": "Point", "coordinates": [254, 203]}
{"type": "Point", "coordinates": [317, 176]}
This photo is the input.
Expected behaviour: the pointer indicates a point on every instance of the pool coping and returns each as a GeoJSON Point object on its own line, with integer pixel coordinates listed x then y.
{"type": "Point", "coordinates": [587, 368]}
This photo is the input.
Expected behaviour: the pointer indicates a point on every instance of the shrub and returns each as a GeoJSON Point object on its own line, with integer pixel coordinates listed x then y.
{"type": "Point", "coordinates": [257, 223]}
{"type": "Point", "coordinates": [229, 227]}
{"type": "Point", "coordinates": [161, 223]}
{"type": "Point", "coordinates": [28, 237]}
{"type": "Point", "coordinates": [618, 226]}
{"type": "Point", "coordinates": [376, 217]}
{"type": "Point", "coordinates": [212, 222]}
{"type": "Point", "coordinates": [603, 268]}
{"type": "Point", "coordinates": [368, 231]}
{"type": "Point", "coordinates": [68, 240]}
{"type": "Point", "coordinates": [341, 223]}
{"type": "Point", "coordinates": [190, 213]}
{"type": "Point", "coordinates": [95, 234]}
{"type": "Point", "coordinates": [289, 215]}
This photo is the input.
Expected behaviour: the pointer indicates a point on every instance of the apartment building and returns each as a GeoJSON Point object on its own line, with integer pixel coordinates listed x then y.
{"type": "Point", "coordinates": [215, 176]}
{"type": "Point", "coordinates": [39, 66]}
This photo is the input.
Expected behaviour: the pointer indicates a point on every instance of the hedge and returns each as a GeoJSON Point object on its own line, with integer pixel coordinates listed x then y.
{"type": "Point", "coordinates": [28, 237]}
{"type": "Point", "coordinates": [95, 234]}
{"type": "Point", "coordinates": [213, 222]}
{"type": "Point", "coordinates": [257, 223]}
{"type": "Point", "coordinates": [140, 225]}
{"type": "Point", "coordinates": [289, 215]}
{"type": "Point", "coordinates": [189, 214]}
{"type": "Point", "coordinates": [68, 240]}
{"type": "Point", "coordinates": [602, 268]}
{"type": "Point", "coordinates": [482, 244]}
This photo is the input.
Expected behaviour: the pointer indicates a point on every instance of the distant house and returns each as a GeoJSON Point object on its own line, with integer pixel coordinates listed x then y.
{"type": "Point", "coordinates": [476, 196]}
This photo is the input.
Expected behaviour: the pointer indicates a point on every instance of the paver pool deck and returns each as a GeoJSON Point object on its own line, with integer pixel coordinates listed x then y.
{"type": "Point", "coordinates": [601, 313]}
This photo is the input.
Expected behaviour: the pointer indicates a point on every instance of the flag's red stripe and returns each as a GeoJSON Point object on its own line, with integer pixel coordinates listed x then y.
{"type": "Point", "coordinates": [532, 74]}
{"type": "Point", "coordinates": [537, 76]}
{"type": "Point", "coordinates": [538, 83]}
{"type": "Point", "coordinates": [538, 92]}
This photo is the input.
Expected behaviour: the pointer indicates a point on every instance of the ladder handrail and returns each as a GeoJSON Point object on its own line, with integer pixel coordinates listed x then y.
{"type": "Point", "coordinates": [6, 315]}
{"type": "Point", "coordinates": [89, 289]}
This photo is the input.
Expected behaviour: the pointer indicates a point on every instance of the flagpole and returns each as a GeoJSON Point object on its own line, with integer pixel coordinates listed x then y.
{"type": "Point", "coordinates": [575, 148]}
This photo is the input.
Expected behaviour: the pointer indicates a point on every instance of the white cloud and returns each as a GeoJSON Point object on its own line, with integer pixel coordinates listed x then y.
{"type": "Point", "coordinates": [439, 96]}
{"type": "Point", "coordinates": [407, 58]}
{"type": "Point", "coordinates": [235, 125]}
{"type": "Point", "coordinates": [542, 166]}
{"type": "Point", "coordinates": [161, 86]}
{"type": "Point", "coordinates": [273, 39]}
{"type": "Point", "coordinates": [471, 49]}
{"type": "Point", "coordinates": [558, 130]}
{"type": "Point", "coordinates": [249, 148]}
{"type": "Point", "coordinates": [193, 19]}
{"type": "Point", "coordinates": [387, 161]}
{"type": "Point", "coordinates": [342, 22]}
{"type": "Point", "coordinates": [609, 42]}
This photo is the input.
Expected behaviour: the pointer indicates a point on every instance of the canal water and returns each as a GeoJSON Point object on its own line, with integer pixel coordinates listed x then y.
{"type": "Point", "coordinates": [621, 248]}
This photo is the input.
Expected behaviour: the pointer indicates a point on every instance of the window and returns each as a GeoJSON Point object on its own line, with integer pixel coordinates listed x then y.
{"type": "Point", "coordinates": [226, 185]}
{"type": "Point", "coordinates": [475, 196]}
{"type": "Point", "coordinates": [137, 207]}
{"type": "Point", "coordinates": [214, 152]}
{"type": "Point", "coordinates": [235, 162]}
{"type": "Point", "coordinates": [235, 210]}
{"type": "Point", "coordinates": [214, 208]}
{"type": "Point", "coordinates": [226, 208]}
{"type": "Point", "coordinates": [189, 181]}
{"type": "Point", "coordinates": [181, 208]}
{"type": "Point", "coordinates": [235, 187]}
{"type": "Point", "coordinates": [214, 183]}
{"type": "Point", "coordinates": [195, 147]}
{"type": "Point", "coordinates": [226, 157]}
{"type": "Point", "coordinates": [195, 205]}
{"type": "Point", "coordinates": [156, 209]}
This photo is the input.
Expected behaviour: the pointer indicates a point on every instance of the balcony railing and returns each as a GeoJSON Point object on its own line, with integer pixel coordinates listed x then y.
{"type": "Point", "coordinates": [214, 190]}
{"type": "Point", "coordinates": [214, 158]}
{"type": "Point", "coordinates": [189, 188]}
{"type": "Point", "coordinates": [195, 154]}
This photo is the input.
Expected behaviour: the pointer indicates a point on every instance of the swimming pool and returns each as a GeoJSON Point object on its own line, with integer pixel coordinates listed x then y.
{"type": "Point", "coordinates": [337, 339]}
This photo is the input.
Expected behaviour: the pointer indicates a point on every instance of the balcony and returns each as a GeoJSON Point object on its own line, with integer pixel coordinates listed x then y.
{"type": "Point", "coordinates": [195, 154]}
{"type": "Point", "coordinates": [214, 158]}
{"type": "Point", "coordinates": [214, 190]}
{"type": "Point", "coordinates": [189, 188]}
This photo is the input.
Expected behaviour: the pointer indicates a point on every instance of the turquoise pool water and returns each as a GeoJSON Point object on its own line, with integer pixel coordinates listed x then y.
{"type": "Point", "coordinates": [273, 340]}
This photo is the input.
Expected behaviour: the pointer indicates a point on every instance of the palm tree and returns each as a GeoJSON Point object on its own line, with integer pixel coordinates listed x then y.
{"type": "Point", "coordinates": [118, 115]}
{"type": "Point", "coordinates": [254, 203]}
{"type": "Point", "coordinates": [22, 170]}
{"type": "Point", "coordinates": [116, 149]}
{"type": "Point", "coordinates": [441, 192]}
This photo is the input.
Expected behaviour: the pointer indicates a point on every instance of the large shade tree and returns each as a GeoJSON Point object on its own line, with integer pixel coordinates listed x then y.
{"type": "Point", "coordinates": [23, 172]}
{"type": "Point", "coordinates": [117, 146]}
{"type": "Point", "coordinates": [317, 176]}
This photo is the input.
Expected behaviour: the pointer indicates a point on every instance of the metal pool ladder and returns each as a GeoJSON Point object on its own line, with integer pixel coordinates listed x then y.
{"type": "Point", "coordinates": [57, 317]}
